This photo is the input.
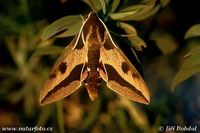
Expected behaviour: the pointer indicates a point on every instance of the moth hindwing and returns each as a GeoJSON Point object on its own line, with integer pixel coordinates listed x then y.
{"type": "Point", "coordinates": [90, 57]}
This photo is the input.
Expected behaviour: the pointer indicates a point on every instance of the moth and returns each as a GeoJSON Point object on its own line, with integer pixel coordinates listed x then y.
{"type": "Point", "coordinates": [90, 58]}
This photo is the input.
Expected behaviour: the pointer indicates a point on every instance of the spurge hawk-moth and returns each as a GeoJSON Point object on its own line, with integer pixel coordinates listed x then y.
{"type": "Point", "coordinates": [90, 57]}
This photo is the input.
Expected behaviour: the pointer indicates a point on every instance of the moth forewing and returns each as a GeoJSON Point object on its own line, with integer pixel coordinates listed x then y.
{"type": "Point", "coordinates": [65, 76]}
{"type": "Point", "coordinates": [123, 77]}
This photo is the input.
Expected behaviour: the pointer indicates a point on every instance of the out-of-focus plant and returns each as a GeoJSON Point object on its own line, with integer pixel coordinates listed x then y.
{"type": "Point", "coordinates": [22, 74]}
{"type": "Point", "coordinates": [191, 64]}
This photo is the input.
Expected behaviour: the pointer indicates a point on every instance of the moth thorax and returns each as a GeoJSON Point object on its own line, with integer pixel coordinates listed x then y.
{"type": "Point", "coordinates": [94, 45]}
{"type": "Point", "coordinates": [93, 58]}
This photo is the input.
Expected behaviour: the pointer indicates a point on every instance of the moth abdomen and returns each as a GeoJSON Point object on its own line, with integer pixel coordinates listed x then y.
{"type": "Point", "coordinates": [93, 82]}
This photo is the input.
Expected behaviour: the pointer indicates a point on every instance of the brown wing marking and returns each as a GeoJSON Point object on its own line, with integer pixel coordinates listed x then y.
{"type": "Point", "coordinates": [122, 87]}
{"type": "Point", "coordinates": [123, 77]}
{"type": "Point", "coordinates": [72, 59]}
{"type": "Point", "coordinates": [65, 87]}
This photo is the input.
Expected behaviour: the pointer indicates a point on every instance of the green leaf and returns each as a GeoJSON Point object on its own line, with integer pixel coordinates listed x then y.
{"type": "Point", "coordinates": [190, 66]}
{"type": "Point", "coordinates": [136, 41]}
{"type": "Point", "coordinates": [135, 55]}
{"type": "Point", "coordinates": [48, 50]}
{"type": "Point", "coordinates": [164, 41]}
{"type": "Point", "coordinates": [148, 14]}
{"type": "Point", "coordinates": [97, 5]}
{"type": "Point", "coordinates": [44, 115]}
{"type": "Point", "coordinates": [29, 102]}
{"type": "Point", "coordinates": [60, 116]}
{"type": "Point", "coordinates": [114, 5]}
{"type": "Point", "coordinates": [143, 6]}
{"type": "Point", "coordinates": [121, 118]}
{"type": "Point", "coordinates": [71, 24]}
{"type": "Point", "coordinates": [122, 15]}
{"type": "Point", "coordinates": [71, 31]}
{"type": "Point", "coordinates": [103, 5]}
{"type": "Point", "coordinates": [194, 31]}
{"type": "Point", "coordinates": [164, 2]}
{"type": "Point", "coordinates": [137, 115]}
{"type": "Point", "coordinates": [128, 28]}
{"type": "Point", "coordinates": [9, 25]}
{"type": "Point", "coordinates": [90, 119]}
{"type": "Point", "coordinates": [141, 11]}
{"type": "Point", "coordinates": [194, 51]}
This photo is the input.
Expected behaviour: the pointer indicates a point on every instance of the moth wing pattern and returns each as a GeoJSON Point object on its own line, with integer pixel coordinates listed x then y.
{"type": "Point", "coordinates": [69, 71]}
{"type": "Point", "coordinates": [122, 76]}
{"type": "Point", "coordinates": [65, 76]}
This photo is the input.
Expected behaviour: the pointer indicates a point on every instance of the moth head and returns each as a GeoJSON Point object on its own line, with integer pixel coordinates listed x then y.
{"type": "Point", "coordinates": [92, 15]}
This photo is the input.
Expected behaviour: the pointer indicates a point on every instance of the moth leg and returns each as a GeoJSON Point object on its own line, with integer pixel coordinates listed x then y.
{"type": "Point", "coordinates": [102, 72]}
{"type": "Point", "coordinates": [84, 74]}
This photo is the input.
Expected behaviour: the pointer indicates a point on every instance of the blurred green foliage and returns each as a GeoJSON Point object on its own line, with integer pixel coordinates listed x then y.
{"type": "Point", "coordinates": [29, 46]}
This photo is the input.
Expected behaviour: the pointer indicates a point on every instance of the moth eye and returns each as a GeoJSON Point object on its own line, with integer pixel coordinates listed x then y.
{"type": "Point", "coordinates": [88, 69]}
{"type": "Point", "coordinates": [62, 67]}
{"type": "Point", "coordinates": [52, 76]}
{"type": "Point", "coordinates": [125, 67]}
